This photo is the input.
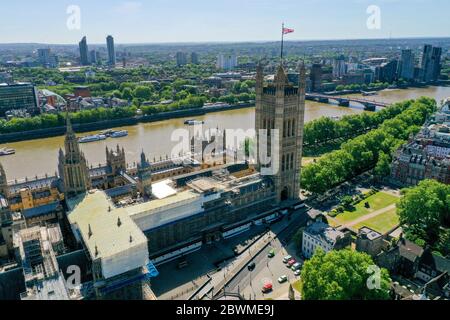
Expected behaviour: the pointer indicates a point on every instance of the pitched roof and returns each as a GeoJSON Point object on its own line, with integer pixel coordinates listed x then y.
{"type": "Point", "coordinates": [409, 250]}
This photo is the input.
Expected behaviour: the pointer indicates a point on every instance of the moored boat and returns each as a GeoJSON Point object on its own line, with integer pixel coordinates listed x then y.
{"type": "Point", "coordinates": [119, 134]}
{"type": "Point", "coordinates": [193, 122]}
{"type": "Point", "coordinates": [7, 151]}
{"type": "Point", "coordinates": [95, 137]}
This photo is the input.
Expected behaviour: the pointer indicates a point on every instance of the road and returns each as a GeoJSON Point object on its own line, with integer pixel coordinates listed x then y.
{"type": "Point", "coordinates": [249, 283]}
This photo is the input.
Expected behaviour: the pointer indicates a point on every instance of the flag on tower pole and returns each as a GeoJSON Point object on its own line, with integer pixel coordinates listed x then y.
{"type": "Point", "coordinates": [283, 32]}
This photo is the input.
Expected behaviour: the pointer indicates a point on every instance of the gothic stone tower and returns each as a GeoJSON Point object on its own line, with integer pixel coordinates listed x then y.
{"type": "Point", "coordinates": [116, 160]}
{"type": "Point", "coordinates": [282, 106]}
{"type": "Point", "coordinates": [144, 174]}
{"type": "Point", "coordinates": [73, 166]}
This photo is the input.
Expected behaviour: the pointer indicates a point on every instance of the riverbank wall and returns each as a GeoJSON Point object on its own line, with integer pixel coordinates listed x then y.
{"type": "Point", "coordinates": [109, 124]}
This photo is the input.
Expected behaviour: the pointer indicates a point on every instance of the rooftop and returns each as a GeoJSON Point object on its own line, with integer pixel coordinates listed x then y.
{"type": "Point", "coordinates": [325, 232]}
{"type": "Point", "coordinates": [105, 229]}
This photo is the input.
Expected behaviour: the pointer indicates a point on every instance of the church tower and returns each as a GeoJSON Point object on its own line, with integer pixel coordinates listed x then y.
{"type": "Point", "coordinates": [144, 174]}
{"type": "Point", "coordinates": [280, 109]}
{"type": "Point", "coordinates": [73, 165]}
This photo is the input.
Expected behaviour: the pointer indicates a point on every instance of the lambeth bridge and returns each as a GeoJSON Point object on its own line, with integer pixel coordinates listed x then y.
{"type": "Point", "coordinates": [369, 105]}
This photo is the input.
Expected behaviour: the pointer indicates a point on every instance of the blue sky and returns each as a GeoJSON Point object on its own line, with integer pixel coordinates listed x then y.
{"type": "Point", "coordinates": [148, 21]}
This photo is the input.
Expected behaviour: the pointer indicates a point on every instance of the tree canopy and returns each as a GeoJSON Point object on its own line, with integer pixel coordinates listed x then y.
{"type": "Point", "coordinates": [424, 212]}
{"type": "Point", "coordinates": [342, 275]}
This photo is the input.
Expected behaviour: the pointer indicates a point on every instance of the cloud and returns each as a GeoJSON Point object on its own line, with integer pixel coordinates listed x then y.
{"type": "Point", "coordinates": [128, 7]}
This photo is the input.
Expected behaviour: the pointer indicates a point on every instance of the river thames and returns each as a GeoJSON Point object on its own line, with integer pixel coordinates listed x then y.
{"type": "Point", "coordinates": [40, 157]}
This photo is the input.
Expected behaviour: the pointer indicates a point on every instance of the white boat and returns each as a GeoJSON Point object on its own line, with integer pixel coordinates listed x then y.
{"type": "Point", "coordinates": [119, 134]}
{"type": "Point", "coordinates": [95, 137]}
{"type": "Point", "coordinates": [7, 151]}
{"type": "Point", "coordinates": [193, 122]}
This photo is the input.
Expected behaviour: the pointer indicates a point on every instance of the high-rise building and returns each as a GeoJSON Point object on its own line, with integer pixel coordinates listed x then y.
{"type": "Point", "coordinates": [387, 72]}
{"type": "Point", "coordinates": [316, 77]}
{"type": "Point", "coordinates": [194, 58]}
{"type": "Point", "coordinates": [227, 62]}
{"type": "Point", "coordinates": [93, 57]}
{"type": "Point", "coordinates": [84, 52]}
{"type": "Point", "coordinates": [181, 58]}
{"type": "Point", "coordinates": [280, 109]}
{"type": "Point", "coordinates": [111, 51]}
{"type": "Point", "coordinates": [339, 67]}
{"type": "Point", "coordinates": [431, 63]}
{"type": "Point", "coordinates": [436, 63]}
{"type": "Point", "coordinates": [73, 168]}
{"type": "Point", "coordinates": [18, 96]}
{"type": "Point", "coordinates": [425, 73]}
{"type": "Point", "coordinates": [406, 65]}
{"type": "Point", "coordinates": [46, 58]}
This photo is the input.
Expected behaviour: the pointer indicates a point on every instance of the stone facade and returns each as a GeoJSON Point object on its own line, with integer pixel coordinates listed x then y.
{"type": "Point", "coordinates": [280, 109]}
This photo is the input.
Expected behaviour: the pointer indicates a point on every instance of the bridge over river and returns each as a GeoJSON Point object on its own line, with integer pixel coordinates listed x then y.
{"type": "Point", "coordinates": [369, 105]}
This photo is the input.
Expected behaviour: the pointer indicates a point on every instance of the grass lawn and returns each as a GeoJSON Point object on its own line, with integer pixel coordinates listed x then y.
{"type": "Point", "coordinates": [382, 223]}
{"type": "Point", "coordinates": [297, 285]}
{"type": "Point", "coordinates": [377, 201]}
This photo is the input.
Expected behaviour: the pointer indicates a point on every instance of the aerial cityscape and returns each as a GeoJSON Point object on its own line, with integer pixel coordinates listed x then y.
{"type": "Point", "coordinates": [280, 165]}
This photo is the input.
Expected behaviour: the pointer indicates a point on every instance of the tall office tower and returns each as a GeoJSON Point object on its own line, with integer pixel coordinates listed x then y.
{"type": "Point", "coordinates": [339, 67]}
{"type": "Point", "coordinates": [316, 77]}
{"type": "Point", "coordinates": [111, 51]}
{"type": "Point", "coordinates": [406, 65]}
{"type": "Point", "coordinates": [73, 166]}
{"type": "Point", "coordinates": [194, 58]}
{"type": "Point", "coordinates": [227, 62]}
{"type": "Point", "coordinates": [93, 57]}
{"type": "Point", "coordinates": [46, 58]}
{"type": "Point", "coordinates": [84, 52]}
{"type": "Point", "coordinates": [181, 58]}
{"type": "Point", "coordinates": [426, 63]}
{"type": "Point", "coordinates": [436, 63]}
{"type": "Point", "coordinates": [280, 109]}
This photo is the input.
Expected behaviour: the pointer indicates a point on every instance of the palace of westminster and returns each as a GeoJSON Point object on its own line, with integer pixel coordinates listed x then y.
{"type": "Point", "coordinates": [118, 222]}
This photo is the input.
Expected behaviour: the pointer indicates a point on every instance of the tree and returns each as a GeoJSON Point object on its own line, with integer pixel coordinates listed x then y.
{"type": "Point", "coordinates": [142, 92]}
{"type": "Point", "coordinates": [383, 167]}
{"type": "Point", "coordinates": [342, 275]}
{"type": "Point", "coordinates": [424, 209]}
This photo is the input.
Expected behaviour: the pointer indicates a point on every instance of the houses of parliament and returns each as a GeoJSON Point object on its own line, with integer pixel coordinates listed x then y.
{"type": "Point", "coordinates": [157, 211]}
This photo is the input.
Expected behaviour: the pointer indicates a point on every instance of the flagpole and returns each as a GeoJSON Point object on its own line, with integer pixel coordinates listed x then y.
{"type": "Point", "coordinates": [282, 41]}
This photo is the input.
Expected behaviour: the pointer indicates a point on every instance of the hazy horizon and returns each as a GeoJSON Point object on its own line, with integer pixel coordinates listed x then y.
{"type": "Point", "coordinates": [230, 21]}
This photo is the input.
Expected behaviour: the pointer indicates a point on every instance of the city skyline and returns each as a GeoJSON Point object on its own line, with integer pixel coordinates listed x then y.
{"type": "Point", "coordinates": [221, 22]}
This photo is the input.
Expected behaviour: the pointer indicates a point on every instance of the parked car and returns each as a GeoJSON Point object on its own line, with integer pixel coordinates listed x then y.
{"type": "Point", "coordinates": [282, 279]}
{"type": "Point", "coordinates": [297, 273]}
{"type": "Point", "coordinates": [271, 253]}
{"type": "Point", "coordinates": [251, 266]}
{"type": "Point", "coordinates": [267, 287]}
{"type": "Point", "coordinates": [296, 266]}
{"type": "Point", "coordinates": [286, 259]}
{"type": "Point", "coordinates": [291, 263]}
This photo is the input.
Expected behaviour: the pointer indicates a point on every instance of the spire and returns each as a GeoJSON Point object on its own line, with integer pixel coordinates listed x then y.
{"type": "Point", "coordinates": [68, 122]}
{"type": "Point", "coordinates": [143, 158]}
{"type": "Point", "coordinates": [280, 77]}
